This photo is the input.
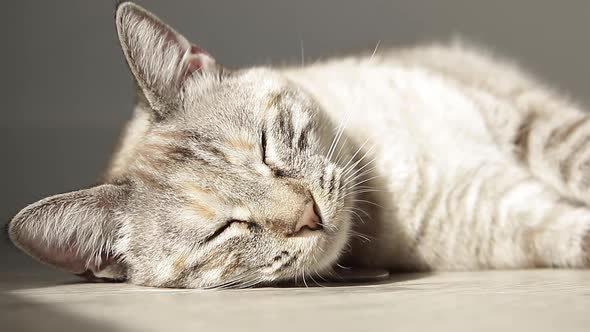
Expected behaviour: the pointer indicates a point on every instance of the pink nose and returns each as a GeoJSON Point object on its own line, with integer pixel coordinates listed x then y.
{"type": "Point", "coordinates": [309, 219]}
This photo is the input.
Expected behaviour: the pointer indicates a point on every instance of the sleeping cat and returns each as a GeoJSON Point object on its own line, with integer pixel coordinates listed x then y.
{"type": "Point", "coordinates": [427, 158]}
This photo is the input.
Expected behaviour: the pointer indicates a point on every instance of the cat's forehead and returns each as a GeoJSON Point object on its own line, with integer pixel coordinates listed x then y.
{"type": "Point", "coordinates": [236, 106]}
{"type": "Point", "coordinates": [259, 81]}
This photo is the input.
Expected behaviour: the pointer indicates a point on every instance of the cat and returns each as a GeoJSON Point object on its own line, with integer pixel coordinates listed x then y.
{"type": "Point", "coordinates": [434, 157]}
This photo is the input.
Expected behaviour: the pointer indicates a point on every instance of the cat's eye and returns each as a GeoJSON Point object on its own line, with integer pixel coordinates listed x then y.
{"type": "Point", "coordinates": [225, 226]}
{"type": "Point", "coordinates": [276, 172]}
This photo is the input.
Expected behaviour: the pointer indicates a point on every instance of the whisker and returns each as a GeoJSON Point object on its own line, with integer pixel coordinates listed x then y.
{"type": "Point", "coordinates": [249, 283]}
{"type": "Point", "coordinates": [332, 144]}
{"type": "Point", "coordinates": [362, 168]}
{"type": "Point", "coordinates": [367, 180]}
{"type": "Point", "coordinates": [233, 282]}
{"type": "Point", "coordinates": [375, 51]}
{"type": "Point", "coordinates": [354, 155]}
{"type": "Point", "coordinates": [330, 227]}
{"type": "Point", "coordinates": [348, 247]}
{"type": "Point", "coordinates": [321, 277]}
{"type": "Point", "coordinates": [336, 143]}
{"type": "Point", "coordinates": [317, 283]}
{"type": "Point", "coordinates": [356, 214]}
{"type": "Point", "coordinates": [330, 272]}
{"type": "Point", "coordinates": [352, 167]}
{"type": "Point", "coordinates": [302, 53]}
{"type": "Point", "coordinates": [368, 202]}
{"type": "Point", "coordinates": [363, 211]}
{"type": "Point", "coordinates": [339, 136]}
{"type": "Point", "coordinates": [367, 171]}
{"type": "Point", "coordinates": [362, 191]}
{"type": "Point", "coordinates": [241, 283]}
{"type": "Point", "coordinates": [369, 163]}
{"type": "Point", "coordinates": [340, 150]}
{"type": "Point", "coordinates": [316, 261]}
{"type": "Point", "coordinates": [249, 280]}
{"type": "Point", "coordinates": [362, 236]}
{"type": "Point", "coordinates": [334, 140]}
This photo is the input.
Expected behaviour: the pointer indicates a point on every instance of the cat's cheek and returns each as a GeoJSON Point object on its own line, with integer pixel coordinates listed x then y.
{"type": "Point", "coordinates": [335, 243]}
{"type": "Point", "coordinates": [211, 277]}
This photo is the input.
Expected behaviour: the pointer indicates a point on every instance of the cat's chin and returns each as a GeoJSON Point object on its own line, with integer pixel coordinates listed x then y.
{"type": "Point", "coordinates": [336, 244]}
{"type": "Point", "coordinates": [325, 251]}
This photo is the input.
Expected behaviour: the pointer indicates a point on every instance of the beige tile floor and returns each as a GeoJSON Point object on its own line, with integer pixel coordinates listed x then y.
{"type": "Point", "coordinates": [539, 300]}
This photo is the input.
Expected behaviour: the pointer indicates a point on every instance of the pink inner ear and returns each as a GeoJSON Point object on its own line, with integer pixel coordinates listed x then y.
{"type": "Point", "coordinates": [196, 59]}
{"type": "Point", "coordinates": [193, 58]}
{"type": "Point", "coordinates": [197, 50]}
{"type": "Point", "coordinates": [194, 63]}
{"type": "Point", "coordinates": [66, 257]}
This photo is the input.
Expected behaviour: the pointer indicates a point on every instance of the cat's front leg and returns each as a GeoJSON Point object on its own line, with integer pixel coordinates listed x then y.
{"type": "Point", "coordinates": [536, 226]}
{"type": "Point", "coordinates": [504, 218]}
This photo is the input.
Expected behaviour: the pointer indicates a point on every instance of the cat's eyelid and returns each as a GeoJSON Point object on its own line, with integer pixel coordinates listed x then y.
{"type": "Point", "coordinates": [268, 169]}
{"type": "Point", "coordinates": [274, 171]}
{"type": "Point", "coordinates": [263, 145]}
{"type": "Point", "coordinates": [217, 232]}
{"type": "Point", "coordinates": [224, 227]}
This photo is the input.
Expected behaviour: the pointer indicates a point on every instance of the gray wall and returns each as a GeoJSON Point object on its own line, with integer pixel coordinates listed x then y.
{"type": "Point", "coordinates": [66, 91]}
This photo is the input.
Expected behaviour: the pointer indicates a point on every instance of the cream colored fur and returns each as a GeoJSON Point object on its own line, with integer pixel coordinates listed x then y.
{"type": "Point", "coordinates": [453, 194]}
{"type": "Point", "coordinates": [436, 157]}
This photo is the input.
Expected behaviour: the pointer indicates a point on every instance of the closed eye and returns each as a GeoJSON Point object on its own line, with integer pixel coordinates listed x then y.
{"type": "Point", "coordinates": [276, 171]}
{"type": "Point", "coordinates": [223, 228]}
{"type": "Point", "coordinates": [263, 144]}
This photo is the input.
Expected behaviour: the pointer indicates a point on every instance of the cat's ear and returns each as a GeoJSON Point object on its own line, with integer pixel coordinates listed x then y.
{"type": "Point", "coordinates": [76, 231]}
{"type": "Point", "coordinates": [160, 58]}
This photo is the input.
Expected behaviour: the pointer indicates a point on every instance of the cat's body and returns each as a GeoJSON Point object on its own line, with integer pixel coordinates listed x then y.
{"type": "Point", "coordinates": [430, 158]}
{"type": "Point", "coordinates": [445, 128]}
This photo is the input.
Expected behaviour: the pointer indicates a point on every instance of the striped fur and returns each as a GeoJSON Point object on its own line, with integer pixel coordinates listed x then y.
{"type": "Point", "coordinates": [436, 157]}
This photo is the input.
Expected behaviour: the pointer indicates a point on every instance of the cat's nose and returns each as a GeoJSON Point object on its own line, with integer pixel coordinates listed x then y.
{"type": "Point", "coordinates": [309, 219]}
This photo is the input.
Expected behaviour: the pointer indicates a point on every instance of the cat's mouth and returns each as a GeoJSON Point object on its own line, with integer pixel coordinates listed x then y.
{"type": "Point", "coordinates": [316, 253]}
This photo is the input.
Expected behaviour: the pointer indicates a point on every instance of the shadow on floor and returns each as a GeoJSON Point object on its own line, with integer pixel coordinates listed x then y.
{"type": "Point", "coordinates": [18, 314]}
{"type": "Point", "coordinates": [318, 282]}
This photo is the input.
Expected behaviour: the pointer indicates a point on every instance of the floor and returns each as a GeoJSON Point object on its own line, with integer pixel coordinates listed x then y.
{"type": "Point", "coordinates": [539, 300]}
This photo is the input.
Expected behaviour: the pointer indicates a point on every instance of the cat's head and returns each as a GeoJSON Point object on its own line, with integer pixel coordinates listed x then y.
{"type": "Point", "coordinates": [221, 180]}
